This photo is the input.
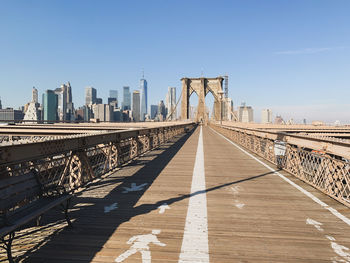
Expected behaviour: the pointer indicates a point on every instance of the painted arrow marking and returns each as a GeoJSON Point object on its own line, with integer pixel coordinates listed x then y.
{"type": "Point", "coordinates": [163, 207]}
{"type": "Point", "coordinates": [109, 208]}
{"type": "Point", "coordinates": [316, 224]}
{"type": "Point", "coordinates": [240, 205]}
{"type": "Point", "coordinates": [236, 190]}
{"type": "Point", "coordinates": [134, 188]}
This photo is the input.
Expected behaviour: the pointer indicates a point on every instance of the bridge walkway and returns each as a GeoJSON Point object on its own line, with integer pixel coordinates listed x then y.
{"type": "Point", "coordinates": [147, 211]}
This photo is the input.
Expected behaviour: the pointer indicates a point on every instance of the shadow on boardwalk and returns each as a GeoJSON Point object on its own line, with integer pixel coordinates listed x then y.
{"type": "Point", "coordinates": [91, 228]}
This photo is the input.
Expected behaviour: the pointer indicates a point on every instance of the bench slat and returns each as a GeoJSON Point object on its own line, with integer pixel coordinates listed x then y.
{"type": "Point", "coordinates": [16, 179]}
{"type": "Point", "coordinates": [18, 188]}
{"type": "Point", "coordinates": [33, 215]}
{"type": "Point", "coordinates": [6, 204]}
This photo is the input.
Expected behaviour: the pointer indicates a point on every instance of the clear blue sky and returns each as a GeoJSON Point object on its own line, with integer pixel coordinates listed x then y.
{"type": "Point", "coordinates": [290, 56]}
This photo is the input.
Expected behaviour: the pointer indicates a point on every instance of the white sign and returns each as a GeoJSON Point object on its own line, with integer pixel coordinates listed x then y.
{"type": "Point", "coordinates": [280, 148]}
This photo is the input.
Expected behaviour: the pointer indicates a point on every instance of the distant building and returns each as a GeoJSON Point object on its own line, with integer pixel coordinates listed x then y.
{"type": "Point", "coordinates": [279, 120]}
{"type": "Point", "coordinates": [113, 101]}
{"type": "Point", "coordinates": [136, 105]}
{"type": "Point", "coordinates": [245, 113]}
{"type": "Point", "coordinates": [87, 113]}
{"type": "Point", "coordinates": [10, 114]}
{"type": "Point", "coordinates": [103, 112]}
{"type": "Point", "coordinates": [32, 113]}
{"type": "Point", "coordinates": [161, 111]}
{"type": "Point", "coordinates": [290, 121]}
{"type": "Point", "coordinates": [90, 95]}
{"type": "Point", "coordinates": [266, 116]}
{"type": "Point", "coordinates": [317, 123]}
{"type": "Point", "coordinates": [99, 101]}
{"type": "Point", "coordinates": [126, 105]}
{"type": "Point", "coordinates": [61, 102]}
{"type": "Point", "coordinates": [153, 111]}
{"type": "Point", "coordinates": [126, 116]}
{"type": "Point", "coordinates": [70, 106]}
{"type": "Point", "coordinates": [171, 103]}
{"type": "Point", "coordinates": [0, 104]}
{"type": "Point", "coordinates": [113, 94]}
{"type": "Point", "coordinates": [143, 102]}
{"type": "Point", "coordinates": [49, 106]}
{"type": "Point", "coordinates": [79, 114]}
{"type": "Point", "coordinates": [193, 112]}
{"type": "Point", "coordinates": [117, 115]}
{"type": "Point", "coordinates": [304, 121]}
{"type": "Point", "coordinates": [35, 97]}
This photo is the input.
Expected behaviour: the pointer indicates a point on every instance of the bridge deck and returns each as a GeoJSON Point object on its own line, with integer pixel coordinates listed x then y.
{"type": "Point", "coordinates": [253, 215]}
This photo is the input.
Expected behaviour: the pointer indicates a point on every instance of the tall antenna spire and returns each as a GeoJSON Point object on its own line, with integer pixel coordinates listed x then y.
{"type": "Point", "coordinates": [143, 73]}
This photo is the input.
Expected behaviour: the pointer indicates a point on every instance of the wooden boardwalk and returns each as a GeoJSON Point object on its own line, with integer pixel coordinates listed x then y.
{"type": "Point", "coordinates": [250, 214]}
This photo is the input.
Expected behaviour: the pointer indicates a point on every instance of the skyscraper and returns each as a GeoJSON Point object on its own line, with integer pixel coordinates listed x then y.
{"type": "Point", "coordinates": [136, 105]}
{"type": "Point", "coordinates": [126, 98]}
{"type": "Point", "coordinates": [90, 95]}
{"type": "Point", "coordinates": [171, 103]}
{"type": "Point", "coordinates": [69, 93]}
{"type": "Point", "coordinates": [0, 104]}
{"type": "Point", "coordinates": [49, 106]}
{"type": "Point", "coordinates": [153, 111]}
{"type": "Point", "coordinates": [70, 105]}
{"type": "Point", "coordinates": [161, 111]}
{"type": "Point", "coordinates": [245, 113]}
{"type": "Point", "coordinates": [143, 106]}
{"type": "Point", "coordinates": [61, 102]}
{"type": "Point", "coordinates": [266, 116]}
{"type": "Point", "coordinates": [35, 95]}
{"type": "Point", "coordinates": [113, 94]}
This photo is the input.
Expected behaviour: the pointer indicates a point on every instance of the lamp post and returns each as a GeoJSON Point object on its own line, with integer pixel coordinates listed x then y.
{"type": "Point", "coordinates": [221, 93]}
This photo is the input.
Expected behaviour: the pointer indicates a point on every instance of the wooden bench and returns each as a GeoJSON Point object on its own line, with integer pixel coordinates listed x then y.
{"type": "Point", "coordinates": [24, 199]}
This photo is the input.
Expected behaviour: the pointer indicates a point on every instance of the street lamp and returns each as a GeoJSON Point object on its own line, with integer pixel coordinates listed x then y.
{"type": "Point", "coordinates": [221, 93]}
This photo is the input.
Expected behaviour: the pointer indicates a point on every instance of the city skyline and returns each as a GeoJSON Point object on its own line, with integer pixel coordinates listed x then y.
{"type": "Point", "coordinates": [299, 63]}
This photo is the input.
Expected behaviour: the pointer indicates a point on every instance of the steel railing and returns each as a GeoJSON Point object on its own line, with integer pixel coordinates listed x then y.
{"type": "Point", "coordinates": [68, 163]}
{"type": "Point", "coordinates": [328, 171]}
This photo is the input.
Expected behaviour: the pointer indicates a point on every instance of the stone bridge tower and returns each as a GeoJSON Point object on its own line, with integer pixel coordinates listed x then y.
{"type": "Point", "coordinates": [201, 86]}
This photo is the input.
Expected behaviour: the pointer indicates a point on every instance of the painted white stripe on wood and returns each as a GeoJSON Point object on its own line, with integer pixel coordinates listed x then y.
{"type": "Point", "coordinates": [314, 198]}
{"type": "Point", "coordinates": [195, 246]}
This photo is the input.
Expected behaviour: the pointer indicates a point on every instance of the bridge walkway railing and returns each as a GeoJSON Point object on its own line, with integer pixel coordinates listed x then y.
{"type": "Point", "coordinates": [323, 164]}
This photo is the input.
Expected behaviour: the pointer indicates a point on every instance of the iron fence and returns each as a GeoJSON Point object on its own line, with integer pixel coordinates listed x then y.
{"type": "Point", "coordinates": [65, 164]}
{"type": "Point", "coordinates": [328, 172]}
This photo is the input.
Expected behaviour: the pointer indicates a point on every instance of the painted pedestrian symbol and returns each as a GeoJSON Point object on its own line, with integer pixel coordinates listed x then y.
{"type": "Point", "coordinates": [316, 224]}
{"type": "Point", "coordinates": [134, 188]}
{"type": "Point", "coordinates": [163, 207]}
{"type": "Point", "coordinates": [140, 243]}
{"type": "Point", "coordinates": [109, 208]}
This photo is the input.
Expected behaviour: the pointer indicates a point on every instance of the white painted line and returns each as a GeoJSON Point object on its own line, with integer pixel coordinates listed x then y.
{"type": "Point", "coordinates": [315, 223]}
{"type": "Point", "coordinates": [314, 198]}
{"type": "Point", "coordinates": [330, 238]}
{"type": "Point", "coordinates": [195, 246]}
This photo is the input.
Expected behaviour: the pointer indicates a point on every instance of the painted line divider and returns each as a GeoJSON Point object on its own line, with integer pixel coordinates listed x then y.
{"type": "Point", "coordinates": [195, 246]}
{"type": "Point", "coordinates": [314, 198]}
